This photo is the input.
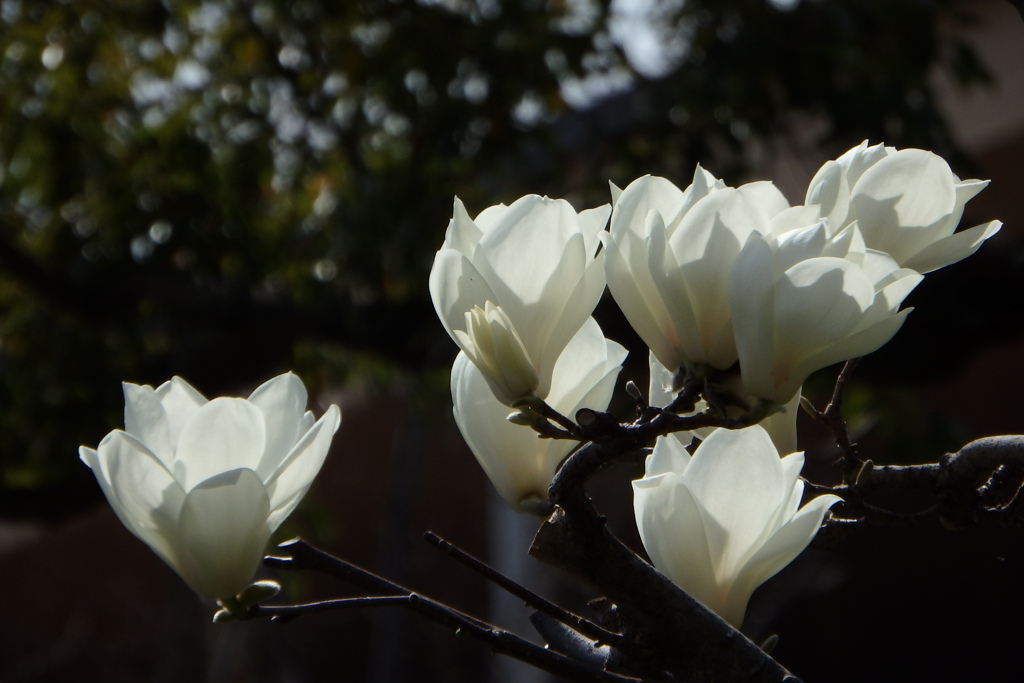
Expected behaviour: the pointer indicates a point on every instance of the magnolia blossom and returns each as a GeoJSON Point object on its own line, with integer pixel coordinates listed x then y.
{"type": "Point", "coordinates": [802, 301]}
{"type": "Point", "coordinates": [670, 254]}
{"type": "Point", "coordinates": [723, 521]}
{"type": "Point", "coordinates": [906, 203]}
{"type": "Point", "coordinates": [518, 462]}
{"type": "Point", "coordinates": [205, 483]}
{"type": "Point", "coordinates": [514, 285]}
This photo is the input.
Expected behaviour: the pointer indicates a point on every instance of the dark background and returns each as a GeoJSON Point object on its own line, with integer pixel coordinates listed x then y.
{"type": "Point", "coordinates": [229, 189]}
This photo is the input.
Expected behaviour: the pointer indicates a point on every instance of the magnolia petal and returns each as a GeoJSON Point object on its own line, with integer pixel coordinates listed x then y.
{"type": "Point", "coordinates": [671, 527]}
{"type": "Point", "coordinates": [542, 228]}
{"type": "Point", "coordinates": [493, 344]}
{"type": "Point", "coordinates": [295, 475]}
{"type": "Point", "coordinates": [592, 225]}
{"type": "Point", "coordinates": [641, 197]}
{"type": "Point", "coordinates": [141, 491]}
{"type": "Point", "coordinates": [489, 217]}
{"type": "Point", "coordinates": [856, 345]}
{"type": "Point", "coordinates": [679, 331]}
{"type": "Point", "coordinates": [615, 192]}
{"type": "Point", "coordinates": [753, 314]}
{"type": "Point", "coordinates": [952, 249]}
{"type": "Point", "coordinates": [668, 456]}
{"type": "Point", "coordinates": [660, 387]}
{"type": "Point", "coordinates": [586, 360]}
{"type": "Point", "coordinates": [180, 400]}
{"type": "Point", "coordinates": [637, 297]}
{"type": "Point", "coordinates": [765, 194]}
{"type": "Point", "coordinates": [223, 532]}
{"type": "Point", "coordinates": [283, 402]}
{"type": "Point", "coordinates": [578, 298]}
{"type": "Point", "coordinates": [784, 546]}
{"type": "Point", "coordinates": [795, 218]}
{"type": "Point", "coordinates": [225, 434]}
{"type": "Point", "coordinates": [456, 286]}
{"type": "Point", "coordinates": [146, 420]}
{"type": "Point", "coordinates": [781, 426]}
{"type": "Point", "coordinates": [909, 189]}
{"type": "Point", "coordinates": [828, 189]}
{"type": "Point", "coordinates": [736, 478]}
{"type": "Point", "coordinates": [462, 234]}
{"type": "Point", "coordinates": [518, 463]}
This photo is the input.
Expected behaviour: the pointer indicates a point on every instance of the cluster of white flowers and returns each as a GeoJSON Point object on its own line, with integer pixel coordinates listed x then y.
{"type": "Point", "coordinates": [712, 278]}
{"type": "Point", "coordinates": [728, 285]}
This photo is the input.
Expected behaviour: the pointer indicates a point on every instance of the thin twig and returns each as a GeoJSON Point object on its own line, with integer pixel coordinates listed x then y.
{"type": "Point", "coordinates": [831, 418]}
{"type": "Point", "coordinates": [285, 613]}
{"type": "Point", "coordinates": [584, 626]}
{"type": "Point", "coordinates": [303, 556]}
{"type": "Point", "coordinates": [571, 428]}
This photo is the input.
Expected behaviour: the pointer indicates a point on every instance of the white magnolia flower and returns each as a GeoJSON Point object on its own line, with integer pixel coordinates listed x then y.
{"type": "Point", "coordinates": [723, 521]}
{"type": "Point", "coordinates": [205, 483]}
{"type": "Point", "coordinates": [518, 462]}
{"type": "Point", "coordinates": [669, 257]}
{"type": "Point", "coordinates": [801, 302]}
{"type": "Point", "coordinates": [907, 203]}
{"type": "Point", "coordinates": [513, 286]}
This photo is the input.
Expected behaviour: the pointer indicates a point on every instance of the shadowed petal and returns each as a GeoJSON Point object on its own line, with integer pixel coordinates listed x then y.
{"type": "Point", "coordinates": [223, 533]}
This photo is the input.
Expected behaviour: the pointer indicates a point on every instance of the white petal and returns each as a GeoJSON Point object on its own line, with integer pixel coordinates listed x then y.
{"type": "Point", "coordinates": [641, 197]}
{"type": "Point", "coordinates": [765, 194]}
{"type": "Point", "coordinates": [669, 456]}
{"type": "Point", "coordinates": [659, 390]}
{"type": "Point", "coordinates": [818, 301]}
{"type": "Point", "coordinates": [856, 345]}
{"type": "Point", "coordinates": [795, 218]}
{"type": "Point", "coordinates": [592, 224]}
{"type": "Point", "coordinates": [632, 286]}
{"type": "Point", "coordinates": [541, 228]}
{"type": "Point", "coordinates": [909, 189]}
{"type": "Point", "coordinates": [784, 546]}
{"type": "Point", "coordinates": [578, 298]}
{"type": "Point", "coordinates": [146, 420]}
{"type": "Point", "coordinates": [282, 400]}
{"type": "Point", "coordinates": [456, 286]}
{"type": "Point", "coordinates": [671, 527]}
{"type": "Point", "coordinates": [142, 493]}
{"type": "Point", "coordinates": [954, 248]}
{"type": "Point", "coordinates": [179, 400]}
{"type": "Point", "coordinates": [518, 463]}
{"type": "Point", "coordinates": [223, 533]}
{"type": "Point", "coordinates": [828, 189]}
{"type": "Point", "coordinates": [737, 479]}
{"type": "Point", "coordinates": [462, 234]}
{"type": "Point", "coordinates": [753, 314]}
{"type": "Point", "coordinates": [293, 478]}
{"type": "Point", "coordinates": [586, 360]}
{"type": "Point", "coordinates": [225, 434]}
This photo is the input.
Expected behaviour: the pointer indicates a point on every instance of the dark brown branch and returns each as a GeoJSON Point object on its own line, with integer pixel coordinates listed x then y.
{"type": "Point", "coordinates": [982, 481]}
{"type": "Point", "coordinates": [303, 556]}
{"type": "Point", "coordinates": [578, 623]}
{"type": "Point", "coordinates": [669, 632]}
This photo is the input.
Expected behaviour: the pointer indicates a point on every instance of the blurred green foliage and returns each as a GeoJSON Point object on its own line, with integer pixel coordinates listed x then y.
{"type": "Point", "coordinates": [223, 189]}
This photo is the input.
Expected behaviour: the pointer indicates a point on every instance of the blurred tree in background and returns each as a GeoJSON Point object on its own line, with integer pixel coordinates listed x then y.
{"type": "Point", "coordinates": [228, 188]}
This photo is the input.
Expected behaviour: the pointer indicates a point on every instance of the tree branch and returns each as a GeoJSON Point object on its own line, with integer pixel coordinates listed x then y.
{"type": "Point", "coordinates": [303, 556]}
{"type": "Point", "coordinates": [666, 630]}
